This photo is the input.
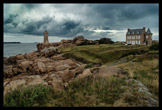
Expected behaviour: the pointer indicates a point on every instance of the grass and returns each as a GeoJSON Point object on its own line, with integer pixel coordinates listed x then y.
{"type": "Point", "coordinates": [96, 91]}
{"type": "Point", "coordinates": [91, 91]}
{"type": "Point", "coordinates": [144, 69]}
{"type": "Point", "coordinates": [103, 53]}
{"type": "Point", "coordinates": [26, 97]}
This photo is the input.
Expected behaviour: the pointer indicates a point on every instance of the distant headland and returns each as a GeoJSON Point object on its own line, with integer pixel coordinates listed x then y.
{"type": "Point", "coordinates": [12, 42]}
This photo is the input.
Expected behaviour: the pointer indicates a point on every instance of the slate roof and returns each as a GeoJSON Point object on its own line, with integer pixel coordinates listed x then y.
{"type": "Point", "coordinates": [135, 31]}
{"type": "Point", "coordinates": [148, 31]}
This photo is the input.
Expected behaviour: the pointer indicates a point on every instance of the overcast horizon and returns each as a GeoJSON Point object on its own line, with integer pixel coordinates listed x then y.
{"type": "Point", "coordinates": [26, 23]}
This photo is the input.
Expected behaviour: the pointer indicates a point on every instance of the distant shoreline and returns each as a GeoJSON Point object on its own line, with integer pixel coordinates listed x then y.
{"type": "Point", "coordinates": [12, 42]}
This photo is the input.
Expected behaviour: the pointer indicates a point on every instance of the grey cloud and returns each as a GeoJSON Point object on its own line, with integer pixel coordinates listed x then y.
{"type": "Point", "coordinates": [94, 16]}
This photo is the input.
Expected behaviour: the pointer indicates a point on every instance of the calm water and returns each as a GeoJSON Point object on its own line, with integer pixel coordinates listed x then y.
{"type": "Point", "coordinates": [14, 49]}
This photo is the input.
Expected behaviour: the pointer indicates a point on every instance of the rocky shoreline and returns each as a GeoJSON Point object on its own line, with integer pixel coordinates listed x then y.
{"type": "Point", "coordinates": [45, 66]}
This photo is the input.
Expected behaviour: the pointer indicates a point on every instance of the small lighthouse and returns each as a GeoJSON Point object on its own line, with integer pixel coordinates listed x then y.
{"type": "Point", "coordinates": [46, 37]}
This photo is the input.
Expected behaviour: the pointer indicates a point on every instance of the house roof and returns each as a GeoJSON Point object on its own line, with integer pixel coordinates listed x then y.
{"type": "Point", "coordinates": [135, 31]}
{"type": "Point", "coordinates": [148, 31]}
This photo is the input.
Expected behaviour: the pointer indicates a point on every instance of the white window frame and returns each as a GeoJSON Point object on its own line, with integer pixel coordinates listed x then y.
{"type": "Point", "coordinates": [133, 42]}
{"type": "Point", "coordinates": [133, 37]}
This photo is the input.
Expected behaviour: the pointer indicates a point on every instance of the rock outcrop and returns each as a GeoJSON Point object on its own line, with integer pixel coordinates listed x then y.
{"type": "Point", "coordinates": [78, 40]}
{"type": "Point", "coordinates": [46, 67]}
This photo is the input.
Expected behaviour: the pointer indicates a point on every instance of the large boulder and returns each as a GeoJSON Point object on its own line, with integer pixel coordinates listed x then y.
{"type": "Point", "coordinates": [85, 73]}
{"type": "Point", "coordinates": [7, 71]}
{"type": "Point", "coordinates": [78, 38]}
{"type": "Point", "coordinates": [62, 67]}
{"type": "Point", "coordinates": [57, 83]}
{"type": "Point", "coordinates": [14, 84]}
{"type": "Point", "coordinates": [67, 75]}
{"type": "Point", "coordinates": [12, 60]}
{"type": "Point", "coordinates": [25, 65]}
{"type": "Point", "coordinates": [106, 71]}
{"type": "Point", "coordinates": [79, 42]}
{"type": "Point", "coordinates": [19, 57]}
{"type": "Point", "coordinates": [41, 67]}
{"type": "Point", "coordinates": [37, 82]}
{"type": "Point", "coordinates": [48, 52]}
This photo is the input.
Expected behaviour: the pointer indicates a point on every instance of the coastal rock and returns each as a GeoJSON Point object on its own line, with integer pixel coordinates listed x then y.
{"type": "Point", "coordinates": [62, 67]}
{"type": "Point", "coordinates": [57, 83]}
{"type": "Point", "coordinates": [41, 67]}
{"type": "Point", "coordinates": [19, 57]}
{"type": "Point", "coordinates": [79, 42]}
{"type": "Point", "coordinates": [85, 73]}
{"type": "Point", "coordinates": [79, 69]}
{"type": "Point", "coordinates": [37, 82]}
{"type": "Point", "coordinates": [14, 84]}
{"type": "Point", "coordinates": [48, 52]}
{"type": "Point", "coordinates": [26, 64]}
{"type": "Point", "coordinates": [81, 38]}
{"type": "Point", "coordinates": [8, 71]}
{"type": "Point", "coordinates": [45, 77]}
{"type": "Point", "coordinates": [12, 60]}
{"type": "Point", "coordinates": [106, 71]}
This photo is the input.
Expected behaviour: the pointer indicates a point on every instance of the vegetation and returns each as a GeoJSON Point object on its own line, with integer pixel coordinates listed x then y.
{"type": "Point", "coordinates": [144, 68]}
{"type": "Point", "coordinates": [142, 64]}
{"type": "Point", "coordinates": [105, 41]}
{"type": "Point", "coordinates": [91, 91]}
{"type": "Point", "coordinates": [154, 46]}
{"type": "Point", "coordinates": [26, 97]}
{"type": "Point", "coordinates": [103, 53]}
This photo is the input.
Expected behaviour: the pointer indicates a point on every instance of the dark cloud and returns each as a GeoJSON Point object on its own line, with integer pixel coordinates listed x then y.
{"type": "Point", "coordinates": [93, 16]}
{"type": "Point", "coordinates": [10, 18]}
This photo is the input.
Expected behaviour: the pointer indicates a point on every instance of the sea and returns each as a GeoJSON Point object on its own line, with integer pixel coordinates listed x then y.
{"type": "Point", "coordinates": [14, 48]}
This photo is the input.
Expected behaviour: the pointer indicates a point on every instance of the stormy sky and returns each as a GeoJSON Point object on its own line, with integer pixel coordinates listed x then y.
{"type": "Point", "coordinates": [27, 22]}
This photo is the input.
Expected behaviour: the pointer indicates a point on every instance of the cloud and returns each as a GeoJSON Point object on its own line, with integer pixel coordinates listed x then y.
{"type": "Point", "coordinates": [69, 20]}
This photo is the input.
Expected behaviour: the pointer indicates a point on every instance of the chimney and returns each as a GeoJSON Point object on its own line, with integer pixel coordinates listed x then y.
{"type": "Point", "coordinates": [144, 29]}
{"type": "Point", "coordinates": [128, 29]}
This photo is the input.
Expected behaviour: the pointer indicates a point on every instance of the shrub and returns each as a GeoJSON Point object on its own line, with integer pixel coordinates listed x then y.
{"type": "Point", "coordinates": [154, 47]}
{"type": "Point", "coordinates": [29, 96]}
{"type": "Point", "coordinates": [105, 41]}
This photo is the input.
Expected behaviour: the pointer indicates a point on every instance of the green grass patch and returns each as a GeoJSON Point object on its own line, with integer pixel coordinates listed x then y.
{"type": "Point", "coordinates": [103, 53]}
{"type": "Point", "coordinates": [37, 95]}
{"type": "Point", "coordinates": [90, 91]}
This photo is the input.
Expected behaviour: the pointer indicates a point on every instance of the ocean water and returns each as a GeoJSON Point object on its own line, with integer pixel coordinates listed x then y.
{"type": "Point", "coordinates": [14, 49]}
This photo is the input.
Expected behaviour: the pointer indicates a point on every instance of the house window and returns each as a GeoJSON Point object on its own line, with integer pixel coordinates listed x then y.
{"type": "Point", "coordinates": [133, 42]}
{"type": "Point", "coordinates": [138, 42]}
{"type": "Point", "coordinates": [128, 42]}
{"type": "Point", "coordinates": [137, 37]}
{"type": "Point", "coordinates": [133, 37]}
{"type": "Point", "coordinates": [146, 36]}
{"type": "Point", "coordinates": [132, 32]}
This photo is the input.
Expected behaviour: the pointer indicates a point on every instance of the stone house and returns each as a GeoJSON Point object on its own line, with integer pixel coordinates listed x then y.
{"type": "Point", "coordinates": [139, 36]}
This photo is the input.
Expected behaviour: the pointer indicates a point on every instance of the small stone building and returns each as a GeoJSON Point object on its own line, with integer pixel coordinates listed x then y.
{"type": "Point", "coordinates": [46, 37]}
{"type": "Point", "coordinates": [139, 36]}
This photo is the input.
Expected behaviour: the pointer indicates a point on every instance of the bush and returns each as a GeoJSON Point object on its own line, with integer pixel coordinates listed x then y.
{"type": "Point", "coordinates": [105, 41]}
{"type": "Point", "coordinates": [154, 47]}
{"type": "Point", "coordinates": [25, 97]}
